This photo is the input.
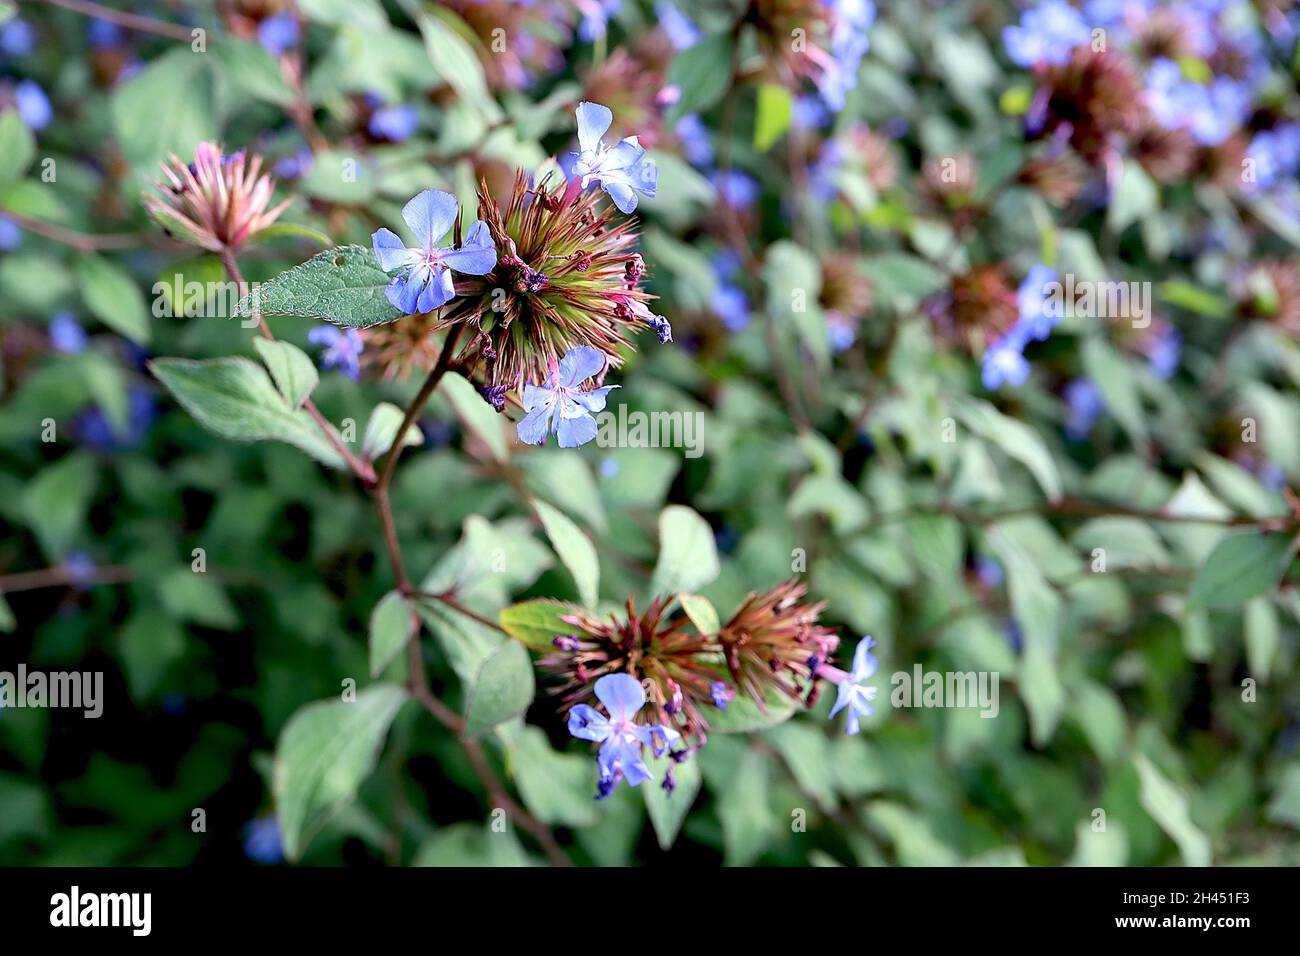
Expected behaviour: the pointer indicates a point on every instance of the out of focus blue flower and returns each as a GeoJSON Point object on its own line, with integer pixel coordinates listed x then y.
{"type": "Point", "coordinates": [103, 33]}
{"type": "Point", "coordinates": [989, 571]}
{"type": "Point", "coordinates": [1209, 113]}
{"type": "Point", "coordinates": [721, 694]}
{"type": "Point", "coordinates": [1275, 154]}
{"type": "Point", "coordinates": [697, 145]}
{"type": "Point", "coordinates": [1163, 351]}
{"type": "Point", "coordinates": [840, 331]}
{"type": "Point", "coordinates": [729, 302]}
{"type": "Point", "coordinates": [682, 33]}
{"type": "Point", "coordinates": [294, 166]}
{"type": "Point", "coordinates": [343, 349]}
{"type": "Point", "coordinates": [1084, 404]}
{"type": "Point", "coordinates": [79, 568]}
{"type": "Point", "coordinates": [850, 22]}
{"type": "Point", "coordinates": [262, 842]}
{"type": "Point", "coordinates": [17, 38]}
{"type": "Point", "coordinates": [1047, 33]}
{"type": "Point", "coordinates": [66, 333]}
{"type": "Point", "coordinates": [279, 33]}
{"type": "Point", "coordinates": [11, 234]}
{"type": "Point", "coordinates": [1004, 363]}
{"type": "Point", "coordinates": [1040, 312]}
{"type": "Point", "coordinates": [93, 429]}
{"type": "Point", "coordinates": [394, 123]}
{"type": "Point", "coordinates": [810, 112]}
{"type": "Point", "coordinates": [33, 105]}
{"type": "Point", "coordinates": [595, 18]}
{"type": "Point", "coordinates": [736, 187]}
{"type": "Point", "coordinates": [560, 406]}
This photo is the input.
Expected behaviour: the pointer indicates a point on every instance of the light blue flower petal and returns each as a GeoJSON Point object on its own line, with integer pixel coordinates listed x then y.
{"type": "Point", "coordinates": [623, 195]}
{"type": "Point", "coordinates": [438, 292]}
{"type": "Point", "coordinates": [843, 692]}
{"type": "Point", "coordinates": [477, 254]}
{"type": "Point", "coordinates": [323, 335]}
{"type": "Point", "coordinates": [644, 177]}
{"type": "Point", "coordinates": [593, 121]}
{"type": "Point", "coordinates": [623, 156]}
{"type": "Point", "coordinates": [593, 401]}
{"type": "Point", "coordinates": [532, 428]}
{"type": "Point", "coordinates": [587, 723]}
{"type": "Point", "coordinates": [404, 294]}
{"type": "Point", "coordinates": [864, 662]}
{"type": "Point", "coordinates": [573, 432]}
{"type": "Point", "coordinates": [430, 215]}
{"type": "Point", "coordinates": [580, 364]}
{"type": "Point", "coordinates": [622, 695]}
{"type": "Point", "coordinates": [391, 251]}
{"type": "Point", "coordinates": [536, 395]}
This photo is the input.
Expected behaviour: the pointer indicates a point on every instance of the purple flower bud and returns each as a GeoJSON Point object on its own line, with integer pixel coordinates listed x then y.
{"type": "Point", "coordinates": [565, 642]}
{"type": "Point", "coordinates": [662, 328]}
{"type": "Point", "coordinates": [495, 395]}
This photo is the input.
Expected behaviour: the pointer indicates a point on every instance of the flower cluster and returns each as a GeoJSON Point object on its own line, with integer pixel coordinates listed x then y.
{"type": "Point", "coordinates": [660, 677]}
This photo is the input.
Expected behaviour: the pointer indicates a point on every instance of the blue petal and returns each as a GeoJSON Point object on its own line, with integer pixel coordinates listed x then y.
{"type": "Point", "coordinates": [438, 292]}
{"type": "Point", "coordinates": [580, 364]}
{"type": "Point", "coordinates": [477, 254]}
{"type": "Point", "coordinates": [390, 250]}
{"type": "Point", "coordinates": [536, 395]}
{"type": "Point", "coordinates": [622, 695]}
{"type": "Point", "coordinates": [404, 294]}
{"type": "Point", "coordinates": [593, 121]}
{"type": "Point", "coordinates": [430, 215]}
{"type": "Point", "coordinates": [864, 662]}
{"type": "Point", "coordinates": [323, 335]}
{"type": "Point", "coordinates": [620, 755]}
{"type": "Point", "coordinates": [593, 401]}
{"type": "Point", "coordinates": [575, 431]}
{"type": "Point", "coordinates": [587, 723]}
{"type": "Point", "coordinates": [842, 694]}
{"type": "Point", "coordinates": [622, 194]}
{"type": "Point", "coordinates": [532, 428]}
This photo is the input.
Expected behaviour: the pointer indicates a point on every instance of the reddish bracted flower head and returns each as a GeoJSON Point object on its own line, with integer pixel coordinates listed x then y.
{"type": "Point", "coordinates": [217, 202]}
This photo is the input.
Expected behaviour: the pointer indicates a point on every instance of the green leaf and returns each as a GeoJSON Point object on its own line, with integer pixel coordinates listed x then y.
{"type": "Point", "coordinates": [294, 373]}
{"type": "Point", "coordinates": [382, 427]}
{"type": "Point", "coordinates": [1240, 567]}
{"type": "Point", "coordinates": [702, 73]}
{"type": "Point", "coordinates": [1284, 807]}
{"type": "Point", "coordinates": [1113, 376]}
{"type": "Point", "coordinates": [193, 596]}
{"type": "Point", "coordinates": [253, 70]}
{"type": "Point", "coordinates": [343, 285]}
{"type": "Point", "coordinates": [453, 57]}
{"type": "Point", "coordinates": [574, 549]}
{"type": "Point", "coordinates": [113, 297]}
{"type": "Point", "coordinates": [775, 108]}
{"type": "Point", "coordinates": [326, 751]}
{"type": "Point", "coordinates": [793, 279]}
{"type": "Point", "coordinates": [1262, 637]}
{"type": "Point", "coordinates": [1136, 197]}
{"type": "Point", "coordinates": [1016, 439]}
{"type": "Point", "coordinates": [17, 146]}
{"type": "Point", "coordinates": [233, 397]}
{"type": "Point", "coordinates": [168, 107]}
{"type": "Point", "coordinates": [743, 715]}
{"type": "Point", "coordinates": [1169, 807]}
{"type": "Point", "coordinates": [688, 553]}
{"type": "Point", "coordinates": [476, 414]}
{"type": "Point", "coordinates": [701, 612]}
{"type": "Point", "coordinates": [340, 176]}
{"type": "Point", "coordinates": [503, 689]}
{"type": "Point", "coordinates": [536, 622]}
{"type": "Point", "coordinates": [7, 622]}
{"type": "Point", "coordinates": [668, 810]}
{"type": "Point", "coordinates": [55, 502]}
{"type": "Point", "coordinates": [390, 629]}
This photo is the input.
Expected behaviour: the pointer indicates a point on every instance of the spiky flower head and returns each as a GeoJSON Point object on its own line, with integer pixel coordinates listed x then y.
{"type": "Point", "coordinates": [979, 307]}
{"type": "Point", "coordinates": [678, 665]}
{"type": "Point", "coordinates": [774, 644]}
{"type": "Point", "coordinates": [395, 349]}
{"type": "Point", "coordinates": [1097, 98]}
{"type": "Point", "coordinates": [217, 202]}
{"type": "Point", "coordinates": [566, 276]}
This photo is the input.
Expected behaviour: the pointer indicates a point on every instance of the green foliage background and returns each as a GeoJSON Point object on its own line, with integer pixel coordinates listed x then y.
{"type": "Point", "coordinates": [1125, 694]}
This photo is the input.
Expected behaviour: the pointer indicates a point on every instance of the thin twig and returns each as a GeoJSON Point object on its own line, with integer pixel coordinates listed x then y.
{"type": "Point", "coordinates": [132, 21]}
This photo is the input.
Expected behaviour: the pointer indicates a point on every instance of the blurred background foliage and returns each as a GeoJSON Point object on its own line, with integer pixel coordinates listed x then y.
{"type": "Point", "coordinates": [824, 440]}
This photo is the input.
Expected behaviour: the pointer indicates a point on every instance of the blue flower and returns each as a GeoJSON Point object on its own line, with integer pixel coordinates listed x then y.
{"type": "Point", "coordinates": [620, 737]}
{"type": "Point", "coordinates": [850, 21]}
{"type": "Point", "coordinates": [696, 144]}
{"type": "Point", "coordinates": [682, 33]}
{"type": "Point", "coordinates": [11, 234]}
{"type": "Point", "coordinates": [662, 328]}
{"type": "Point", "coordinates": [279, 33]}
{"type": "Point", "coordinates": [1004, 362]}
{"type": "Point", "coordinates": [560, 406]}
{"type": "Point", "coordinates": [394, 123]}
{"type": "Point", "coordinates": [66, 334]}
{"type": "Point", "coordinates": [1163, 351]}
{"type": "Point", "coordinates": [622, 170]}
{"type": "Point", "coordinates": [17, 38]}
{"type": "Point", "coordinates": [103, 33]}
{"type": "Point", "coordinates": [1085, 405]}
{"type": "Point", "coordinates": [730, 305]}
{"type": "Point", "coordinates": [595, 18]}
{"type": "Point", "coordinates": [1039, 312]}
{"type": "Point", "coordinates": [93, 428]}
{"type": "Point", "coordinates": [79, 568]}
{"type": "Point", "coordinates": [721, 693]}
{"type": "Point", "coordinates": [1275, 154]}
{"type": "Point", "coordinates": [736, 187]}
{"type": "Point", "coordinates": [33, 105]}
{"type": "Point", "coordinates": [262, 843]}
{"type": "Point", "coordinates": [989, 571]}
{"type": "Point", "coordinates": [427, 283]}
{"type": "Point", "coordinates": [854, 692]}
{"type": "Point", "coordinates": [1210, 113]}
{"type": "Point", "coordinates": [342, 349]}
{"type": "Point", "coordinates": [1047, 33]}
